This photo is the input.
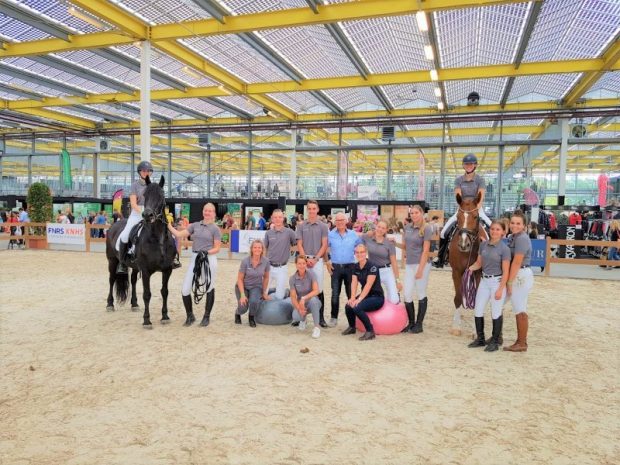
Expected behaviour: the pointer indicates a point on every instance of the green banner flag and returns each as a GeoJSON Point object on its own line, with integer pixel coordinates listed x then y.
{"type": "Point", "coordinates": [67, 178]}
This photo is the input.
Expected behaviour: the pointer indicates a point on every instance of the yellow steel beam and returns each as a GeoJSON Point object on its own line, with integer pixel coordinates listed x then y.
{"type": "Point", "coordinates": [610, 58]}
{"type": "Point", "coordinates": [296, 17]}
{"type": "Point", "coordinates": [476, 72]}
{"type": "Point", "coordinates": [56, 116]}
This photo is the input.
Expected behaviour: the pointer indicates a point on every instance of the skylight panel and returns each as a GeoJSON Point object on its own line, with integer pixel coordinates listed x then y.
{"type": "Point", "coordinates": [18, 31]}
{"type": "Point", "coordinates": [232, 54]}
{"type": "Point", "coordinates": [609, 82]}
{"type": "Point", "coordinates": [388, 44]}
{"type": "Point", "coordinates": [568, 29]}
{"type": "Point", "coordinates": [479, 36]}
{"type": "Point", "coordinates": [553, 86]}
{"type": "Point", "coordinates": [300, 102]}
{"type": "Point", "coordinates": [355, 99]}
{"type": "Point", "coordinates": [78, 114]}
{"type": "Point", "coordinates": [240, 7]}
{"type": "Point", "coordinates": [305, 47]}
{"type": "Point", "coordinates": [29, 86]}
{"type": "Point", "coordinates": [164, 11]}
{"type": "Point", "coordinates": [59, 11]}
{"type": "Point", "coordinates": [411, 95]}
{"type": "Point", "coordinates": [490, 90]}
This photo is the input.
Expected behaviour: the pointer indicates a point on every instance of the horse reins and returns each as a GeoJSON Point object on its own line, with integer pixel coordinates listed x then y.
{"type": "Point", "coordinates": [201, 281]}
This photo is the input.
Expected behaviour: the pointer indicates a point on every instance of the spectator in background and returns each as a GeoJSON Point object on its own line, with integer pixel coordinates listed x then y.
{"type": "Point", "coordinates": [261, 222]}
{"type": "Point", "coordinates": [70, 216]}
{"type": "Point", "coordinates": [61, 218]}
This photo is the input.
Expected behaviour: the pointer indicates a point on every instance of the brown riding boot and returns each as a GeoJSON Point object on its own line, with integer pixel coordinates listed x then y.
{"type": "Point", "coordinates": [521, 344]}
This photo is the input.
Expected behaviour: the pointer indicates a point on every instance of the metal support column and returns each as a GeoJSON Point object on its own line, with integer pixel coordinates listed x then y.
{"type": "Point", "coordinates": [500, 181]}
{"type": "Point", "coordinates": [293, 173]}
{"type": "Point", "coordinates": [132, 167]}
{"type": "Point", "coordinates": [390, 153]}
{"type": "Point", "coordinates": [442, 177]}
{"type": "Point", "coordinates": [32, 152]}
{"type": "Point", "coordinates": [2, 155]}
{"type": "Point", "coordinates": [169, 174]}
{"type": "Point", "coordinates": [96, 183]}
{"type": "Point", "coordinates": [145, 101]}
{"type": "Point", "coordinates": [563, 159]}
{"type": "Point", "coordinates": [209, 171]}
{"type": "Point", "coordinates": [249, 193]}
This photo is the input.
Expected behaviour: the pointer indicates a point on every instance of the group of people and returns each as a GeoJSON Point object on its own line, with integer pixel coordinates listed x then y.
{"type": "Point", "coordinates": [365, 264]}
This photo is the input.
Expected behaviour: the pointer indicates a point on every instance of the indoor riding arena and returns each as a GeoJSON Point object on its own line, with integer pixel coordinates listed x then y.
{"type": "Point", "coordinates": [366, 231]}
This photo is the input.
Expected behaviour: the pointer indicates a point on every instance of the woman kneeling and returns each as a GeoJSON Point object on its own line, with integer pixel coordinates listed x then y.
{"type": "Point", "coordinates": [304, 291]}
{"type": "Point", "coordinates": [370, 299]}
{"type": "Point", "coordinates": [252, 282]}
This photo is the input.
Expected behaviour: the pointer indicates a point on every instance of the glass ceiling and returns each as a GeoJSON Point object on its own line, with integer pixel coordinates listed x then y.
{"type": "Point", "coordinates": [375, 63]}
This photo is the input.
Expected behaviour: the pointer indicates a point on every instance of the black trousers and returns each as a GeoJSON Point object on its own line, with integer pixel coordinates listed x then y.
{"type": "Point", "coordinates": [369, 304]}
{"type": "Point", "coordinates": [342, 274]}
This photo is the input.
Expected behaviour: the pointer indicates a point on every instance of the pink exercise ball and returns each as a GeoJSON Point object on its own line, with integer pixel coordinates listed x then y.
{"type": "Point", "coordinates": [389, 319]}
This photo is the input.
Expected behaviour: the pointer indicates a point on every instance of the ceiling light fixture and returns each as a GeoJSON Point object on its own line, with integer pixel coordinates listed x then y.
{"type": "Point", "coordinates": [190, 72]}
{"type": "Point", "coordinates": [440, 106]}
{"type": "Point", "coordinates": [420, 18]}
{"type": "Point", "coordinates": [73, 11]}
{"type": "Point", "coordinates": [437, 91]}
{"type": "Point", "coordinates": [434, 75]}
{"type": "Point", "coordinates": [428, 52]}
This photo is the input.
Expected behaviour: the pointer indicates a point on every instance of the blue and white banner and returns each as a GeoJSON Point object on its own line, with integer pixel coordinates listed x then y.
{"type": "Point", "coordinates": [73, 234]}
{"type": "Point", "coordinates": [539, 250]}
{"type": "Point", "coordinates": [241, 239]}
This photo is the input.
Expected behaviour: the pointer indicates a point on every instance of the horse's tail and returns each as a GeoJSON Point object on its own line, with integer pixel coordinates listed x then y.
{"type": "Point", "coordinates": [121, 284]}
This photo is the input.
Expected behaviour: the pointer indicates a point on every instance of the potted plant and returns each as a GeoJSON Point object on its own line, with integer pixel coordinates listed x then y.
{"type": "Point", "coordinates": [40, 210]}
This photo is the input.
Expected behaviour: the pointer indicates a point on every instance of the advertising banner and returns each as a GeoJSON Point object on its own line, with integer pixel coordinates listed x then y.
{"type": "Point", "coordinates": [367, 212]}
{"type": "Point", "coordinates": [72, 234]}
{"type": "Point", "coordinates": [241, 239]}
{"type": "Point", "coordinates": [367, 193]}
{"type": "Point", "coordinates": [571, 233]}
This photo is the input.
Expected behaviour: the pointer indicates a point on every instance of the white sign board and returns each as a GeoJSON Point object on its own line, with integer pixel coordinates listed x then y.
{"type": "Point", "coordinates": [73, 234]}
{"type": "Point", "coordinates": [247, 236]}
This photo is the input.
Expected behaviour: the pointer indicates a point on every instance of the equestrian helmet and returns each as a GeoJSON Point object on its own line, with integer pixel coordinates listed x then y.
{"type": "Point", "coordinates": [470, 158]}
{"type": "Point", "coordinates": [145, 165]}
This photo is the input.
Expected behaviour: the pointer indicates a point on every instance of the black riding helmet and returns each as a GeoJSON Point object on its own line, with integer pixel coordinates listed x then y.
{"type": "Point", "coordinates": [470, 158]}
{"type": "Point", "coordinates": [144, 165]}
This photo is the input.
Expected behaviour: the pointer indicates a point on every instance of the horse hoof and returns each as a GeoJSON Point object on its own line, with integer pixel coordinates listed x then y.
{"type": "Point", "coordinates": [149, 326]}
{"type": "Point", "coordinates": [166, 321]}
{"type": "Point", "coordinates": [456, 332]}
{"type": "Point", "coordinates": [135, 309]}
{"type": "Point", "coordinates": [110, 308]}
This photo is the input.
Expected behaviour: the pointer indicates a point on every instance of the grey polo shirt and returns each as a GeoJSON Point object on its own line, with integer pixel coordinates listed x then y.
{"type": "Point", "coordinates": [414, 244]}
{"type": "Point", "coordinates": [302, 286]}
{"type": "Point", "coordinates": [203, 235]}
{"type": "Point", "coordinates": [253, 276]}
{"type": "Point", "coordinates": [521, 244]}
{"type": "Point", "coordinates": [379, 253]}
{"type": "Point", "coordinates": [469, 189]}
{"type": "Point", "coordinates": [278, 245]}
{"type": "Point", "coordinates": [492, 257]}
{"type": "Point", "coordinates": [312, 235]}
{"type": "Point", "coordinates": [137, 189]}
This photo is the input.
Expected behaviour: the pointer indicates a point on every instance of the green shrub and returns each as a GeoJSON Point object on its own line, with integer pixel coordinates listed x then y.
{"type": "Point", "coordinates": [40, 206]}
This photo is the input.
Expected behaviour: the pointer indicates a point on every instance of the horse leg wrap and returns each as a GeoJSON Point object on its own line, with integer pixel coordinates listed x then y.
{"type": "Point", "coordinates": [208, 307]}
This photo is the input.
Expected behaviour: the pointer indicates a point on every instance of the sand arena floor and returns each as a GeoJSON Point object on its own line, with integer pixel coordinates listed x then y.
{"type": "Point", "coordinates": [79, 385]}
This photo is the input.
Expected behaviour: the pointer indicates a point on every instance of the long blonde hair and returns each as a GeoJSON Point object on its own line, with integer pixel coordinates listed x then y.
{"type": "Point", "coordinates": [423, 224]}
{"type": "Point", "coordinates": [614, 225]}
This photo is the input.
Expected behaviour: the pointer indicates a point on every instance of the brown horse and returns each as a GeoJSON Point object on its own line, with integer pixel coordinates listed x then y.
{"type": "Point", "coordinates": [464, 251]}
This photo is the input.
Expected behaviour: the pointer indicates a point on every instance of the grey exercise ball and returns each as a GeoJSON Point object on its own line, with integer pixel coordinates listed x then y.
{"type": "Point", "coordinates": [275, 312]}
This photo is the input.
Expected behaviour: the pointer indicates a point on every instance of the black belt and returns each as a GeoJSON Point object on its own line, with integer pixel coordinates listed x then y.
{"type": "Point", "coordinates": [384, 266]}
{"type": "Point", "coordinates": [278, 265]}
{"type": "Point", "coordinates": [490, 275]}
{"type": "Point", "coordinates": [343, 265]}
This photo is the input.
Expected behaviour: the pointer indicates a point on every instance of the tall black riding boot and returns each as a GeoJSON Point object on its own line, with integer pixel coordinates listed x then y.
{"type": "Point", "coordinates": [187, 303]}
{"type": "Point", "coordinates": [322, 312]}
{"type": "Point", "coordinates": [479, 342]}
{"type": "Point", "coordinates": [417, 327]}
{"type": "Point", "coordinates": [411, 315]}
{"type": "Point", "coordinates": [121, 268]}
{"type": "Point", "coordinates": [497, 332]}
{"type": "Point", "coordinates": [208, 308]}
{"type": "Point", "coordinates": [252, 321]}
{"type": "Point", "coordinates": [441, 253]}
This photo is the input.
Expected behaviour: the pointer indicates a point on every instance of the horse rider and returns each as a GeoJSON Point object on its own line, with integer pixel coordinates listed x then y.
{"type": "Point", "coordinates": [468, 186]}
{"type": "Point", "coordinates": [136, 201]}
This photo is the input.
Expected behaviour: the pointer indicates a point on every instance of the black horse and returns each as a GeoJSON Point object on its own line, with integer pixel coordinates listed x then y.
{"type": "Point", "coordinates": [154, 251]}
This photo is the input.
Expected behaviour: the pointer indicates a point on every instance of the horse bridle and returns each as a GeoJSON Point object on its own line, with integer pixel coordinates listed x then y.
{"type": "Point", "coordinates": [471, 234]}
